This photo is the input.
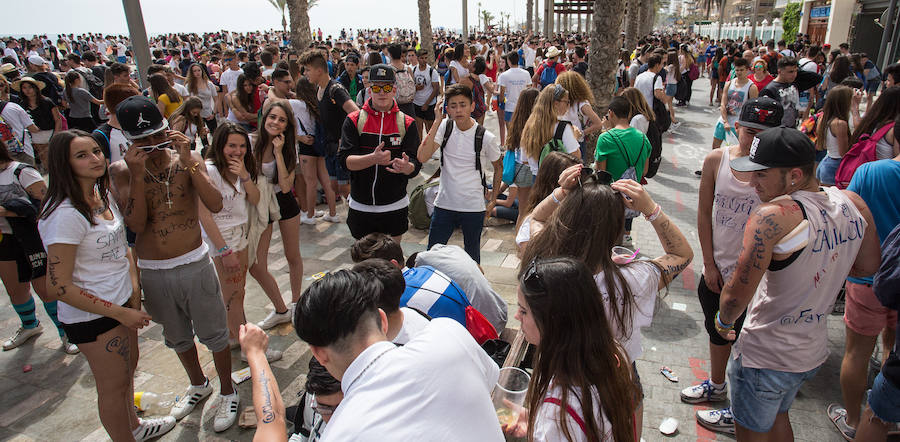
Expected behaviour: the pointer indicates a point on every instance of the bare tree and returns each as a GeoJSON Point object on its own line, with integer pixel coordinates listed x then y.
{"type": "Point", "coordinates": [427, 42]}
{"type": "Point", "coordinates": [301, 37]}
{"type": "Point", "coordinates": [604, 50]}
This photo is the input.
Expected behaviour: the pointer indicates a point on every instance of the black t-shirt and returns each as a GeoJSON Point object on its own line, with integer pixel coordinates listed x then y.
{"type": "Point", "coordinates": [789, 97]}
{"type": "Point", "coordinates": [42, 115]}
{"type": "Point", "coordinates": [331, 110]}
{"type": "Point", "coordinates": [581, 67]}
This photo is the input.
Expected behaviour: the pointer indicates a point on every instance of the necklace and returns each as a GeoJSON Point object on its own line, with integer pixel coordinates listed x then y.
{"type": "Point", "coordinates": [368, 366]}
{"type": "Point", "coordinates": [166, 183]}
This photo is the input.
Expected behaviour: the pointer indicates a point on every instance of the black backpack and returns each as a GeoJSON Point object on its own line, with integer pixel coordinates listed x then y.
{"type": "Point", "coordinates": [655, 137]}
{"type": "Point", "coordinates": [479, 140]}
{"type": "Point", "coordinates": [93, 84]}
{"type": "Point", "coordinates": [663, 119]}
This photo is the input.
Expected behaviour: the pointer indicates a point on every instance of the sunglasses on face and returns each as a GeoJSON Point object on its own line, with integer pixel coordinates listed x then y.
{"type": "Point", "coordinates": [386, 88]}
{"type": "Point", "coordinates": [161, 146]}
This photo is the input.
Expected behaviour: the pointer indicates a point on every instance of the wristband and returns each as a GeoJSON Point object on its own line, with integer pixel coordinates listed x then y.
{"type": "Point", "coordinates": [223, 249]}
{"type": "Point", "coordinates": [655, 214]}
{"type": "Point", "coordinates": [244, 180]}
{"type": "Point", "coordinates": [553, 195]}
{"type": "Point", "coordinates": [722, 327]}
{"type": "Point", "coordinates": [227, 252]}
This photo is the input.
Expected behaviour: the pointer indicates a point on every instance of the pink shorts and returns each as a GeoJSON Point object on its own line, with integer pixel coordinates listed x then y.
{"type": "Point", "coordinates": [864, 314]}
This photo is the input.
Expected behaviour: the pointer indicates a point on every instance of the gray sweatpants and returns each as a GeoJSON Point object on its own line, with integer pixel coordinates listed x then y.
{"type": "Point", "coordinates": [187, 300]}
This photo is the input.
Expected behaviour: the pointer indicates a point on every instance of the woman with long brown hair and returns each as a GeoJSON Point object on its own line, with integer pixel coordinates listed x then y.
{"type": "Point", "coordinates": [80, 100]}
{"type": "Point", "coordinates": [641, 114]}
{"type": "Point", "coordinates": [166, 97]}
{"type": "Point", "coordinates": [833, 131]}
{"type": "Point", "coordinates": [276, 157]}
{"type": "Point", "coordinates": [546, 180]}
{"type": "Point", "coordinates": [883, 112]}
{"type": "Point", "coordinates": [581, 386]}
{"type": "Point", "coordinates": [92, 273]}
{"type": "Point", "coordinates": [240, 104]}
{"type": "Point", "coordinates": [584, 218]}
{"type": "Point", "coordinates": [43, 112]}
{"type": "Point", "coordinates": [199, 85]}
{"type": "Point", "coordinates": [312, 158]}
{"type": "Point", "coordinates": [544, 126]}
{"type": "Point", "coordinates": [188, 120]}
{"type": "Point", "coordinates": [523, 177]}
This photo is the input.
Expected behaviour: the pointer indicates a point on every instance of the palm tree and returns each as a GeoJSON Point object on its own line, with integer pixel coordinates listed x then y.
{"type": "Point", "coordinates": [280, 5]}
{"type": "Point", "coordinates": [529, 6]}
{"type": "Point", "coordinates": [604, 49]}
{"type": "Point", "coordinates": [427, 41]}
{"type": "Point", "coordinates": [299, 13]}
{"type": "Point", "coordinates": [632, 23]}
{"type": "Point", "coordinates": [486, 17]}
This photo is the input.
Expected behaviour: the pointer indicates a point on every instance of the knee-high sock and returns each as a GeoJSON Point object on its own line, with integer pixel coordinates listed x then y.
{"type": "Point", "coordinates": [26, 314]}
{"type": "Point", "coordinates": [50, 308]}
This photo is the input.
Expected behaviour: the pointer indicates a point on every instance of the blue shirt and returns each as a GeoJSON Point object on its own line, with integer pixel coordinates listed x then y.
{"type": "Point", "coordinates": [431, 291]}
{"type": "Point", "coordinates": [876, 182]}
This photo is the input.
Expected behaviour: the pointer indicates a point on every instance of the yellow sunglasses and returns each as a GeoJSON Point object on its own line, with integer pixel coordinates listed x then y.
{"type": "Point", "coordinates": [387, 88]}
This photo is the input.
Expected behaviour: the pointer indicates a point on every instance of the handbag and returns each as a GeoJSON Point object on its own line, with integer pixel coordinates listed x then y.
{"type": "Point", "coordinates": [694, 72]}
{"type": "Point", "coordinates": [509, 167]}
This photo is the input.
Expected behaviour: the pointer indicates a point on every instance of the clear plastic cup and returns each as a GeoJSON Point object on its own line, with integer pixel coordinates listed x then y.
{"type": "Point", "coordinates": [623, 255]}
{"type": "Point", "coordinates": [509, 394]}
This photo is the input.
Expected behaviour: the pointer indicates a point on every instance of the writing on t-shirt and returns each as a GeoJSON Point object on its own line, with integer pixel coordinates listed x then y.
{"type": "Point", "coordinates": [829, 236]}
{"type": "Point", "coordinates": [112, 245]}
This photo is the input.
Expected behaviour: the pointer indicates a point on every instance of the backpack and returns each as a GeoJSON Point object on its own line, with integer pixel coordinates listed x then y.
{"type": "Point", "coordinates": [93, 84]}
{"type": "Point", "coordinates": [654, 135]}
{"type": "Point", "coordinates": [556, 143]}
{"type": "Point", "coordinates": [6, 133]}
{"type": "Point", "coordinates": [478, 99]}
{"type": "Point", "coordinates": [808, 127]}
{"type": "Point", "coordinates": [479, 141]}
{"type": "Point", "coordinates": [548, 75]}
{"type": "Point", "coordinates": [663, 118]}
{"type": "Point", "coordinates": [862, 152]}
{"type": "Point", "coordinates": [772, 62]}
{"type": "Point", "coordinates": [18, 172]}
{"type": "Point", "coordinates": [694, 72]}
{"type": "Point", "coordinates": [418, 209]}
{"type": "Point", "coordinates": [406, 87]}
{"type": "Point", "coordinates": [630, 173]}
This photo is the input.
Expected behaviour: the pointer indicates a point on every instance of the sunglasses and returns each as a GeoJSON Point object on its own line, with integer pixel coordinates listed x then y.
{"type": "Point", "coordinates": [324, 410]}
{"type": "Point", "coordinates": [532, 279]}
{"type": "Point", "coordinates": [161, 146]}
{"type": "Point", "coordinates": [227, 59]}
{"type": "Point", "coordinates": [387, 88]}
{"type": "Point", "coordinates": [600, 176]}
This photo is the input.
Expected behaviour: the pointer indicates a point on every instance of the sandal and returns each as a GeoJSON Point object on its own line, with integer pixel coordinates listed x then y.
{"type": "Point", "coordinates": [838, 416]}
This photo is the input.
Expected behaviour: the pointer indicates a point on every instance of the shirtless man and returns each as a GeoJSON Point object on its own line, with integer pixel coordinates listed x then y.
{"type": "Point", "coordinates": [159, 184]}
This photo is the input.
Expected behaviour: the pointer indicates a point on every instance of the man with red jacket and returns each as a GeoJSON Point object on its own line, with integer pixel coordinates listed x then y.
{"type": "Point", "coordinates": [378, 146]}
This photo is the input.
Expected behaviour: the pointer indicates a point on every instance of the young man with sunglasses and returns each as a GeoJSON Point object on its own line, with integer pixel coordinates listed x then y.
{"type": "Point", "coordinates": [726, 202]}
{"type": "Point", "coordinates": [378, 148]}
{"type": "Point", "coordinates": [159, 188]}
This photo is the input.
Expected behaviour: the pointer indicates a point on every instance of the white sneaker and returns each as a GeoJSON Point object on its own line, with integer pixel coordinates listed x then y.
{"type": "Point", "coordinates": [227, 412]}
{"type": "Point", "coordinates": [333, 218]}
{"type": "Point", "coordinates": [22, 335]}
{"type": "Point", "coordinates": [69, 347]}
{"type": "Point", "coordinates": [191, 398]}
{"type": "Point", "coordinates": [274, 319]}
{"type": "Point", "coordinates": [151, 428]}
{"type": "Point", "coordinates": [271, 355]}
{"type": "Point", "coordinates": [307, 220]}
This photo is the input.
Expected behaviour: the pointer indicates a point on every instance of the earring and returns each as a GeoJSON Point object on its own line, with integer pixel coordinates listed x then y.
{"type": "Point", "coordinates": [792, 183]}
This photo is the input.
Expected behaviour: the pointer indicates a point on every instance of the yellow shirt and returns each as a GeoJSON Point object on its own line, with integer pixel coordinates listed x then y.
{"type": "Point", "coordinates": [170, 106]}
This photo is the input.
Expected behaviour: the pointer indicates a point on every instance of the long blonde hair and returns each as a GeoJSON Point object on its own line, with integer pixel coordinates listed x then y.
{"type": "Point", "coordinates": [541, 123]}
{"type": "Point", "coordinates": [638, 104]}
{"type": "Point", "coordinates": [836, 106]}
{"type": "Point", "coordinates": [576, 86]}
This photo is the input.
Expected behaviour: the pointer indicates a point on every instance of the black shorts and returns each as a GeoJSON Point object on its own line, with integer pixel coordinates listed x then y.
{"type": "Point", "coordinates": [638, 386]}
{"type": "Point", "coordinates": [11, 250]}
{"type": "Point", "coordinates": [393, 223]}
{"type": "Point", "coordinates": [287, 204]}
{"type": "Point", "coordinates": [308, 150]}
{"type": "Point", "coordinates": [709, 301]}
{"type": "Point", "coordinates": [425, 112]}
{"type": "Point", "coordinates": [84, 332]}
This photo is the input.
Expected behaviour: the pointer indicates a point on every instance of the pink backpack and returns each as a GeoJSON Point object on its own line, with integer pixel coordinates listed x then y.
{"type": "Point", "coordinates": [861, 153]}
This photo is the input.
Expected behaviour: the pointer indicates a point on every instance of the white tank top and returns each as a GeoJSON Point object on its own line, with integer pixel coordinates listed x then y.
{"type": "Point", "coordinates": [734, 201]}
{"type": "Point", "coordinates": [786, 325]}
{"type": "Point", "coordinates": [736, 98]}
{"type": "Point", "coordinates": [831, 145]}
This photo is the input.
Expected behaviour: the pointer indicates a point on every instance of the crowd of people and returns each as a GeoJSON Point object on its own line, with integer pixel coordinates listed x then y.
{"type": "Point", "coordinates": [124, 204]}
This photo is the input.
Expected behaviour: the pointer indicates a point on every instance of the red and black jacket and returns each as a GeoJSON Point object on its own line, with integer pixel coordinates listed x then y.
{"type": "Point", "coordinates": [375, 185]}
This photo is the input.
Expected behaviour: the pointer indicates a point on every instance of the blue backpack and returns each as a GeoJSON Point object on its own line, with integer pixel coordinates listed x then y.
{"type": "Point", "coordinates": [548, 75]}
{"type": "Point", "coordinates": [521, 58]}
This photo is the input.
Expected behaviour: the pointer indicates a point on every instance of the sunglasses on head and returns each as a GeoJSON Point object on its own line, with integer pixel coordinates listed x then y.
{"type": "Point", "coordinates": [386, 88]}
{"type": "Point", "coordinates": [600, 176]}
{"type": "Point", "coordinates": [532, 279]}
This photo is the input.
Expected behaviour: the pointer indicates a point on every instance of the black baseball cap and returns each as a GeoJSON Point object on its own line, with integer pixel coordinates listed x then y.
{"type": "Point", "coordinates": [777, 147]}
{"type": "Point", "coordinates": [139, 117]}
{"type": "Point", "coordinates": [382, 73]}
{"type": "Point", "coordinates": [761, 113]}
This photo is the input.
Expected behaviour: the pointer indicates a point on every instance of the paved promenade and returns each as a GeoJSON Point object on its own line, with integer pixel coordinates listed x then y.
{"type": "Point", "coordinates": [56, 400]}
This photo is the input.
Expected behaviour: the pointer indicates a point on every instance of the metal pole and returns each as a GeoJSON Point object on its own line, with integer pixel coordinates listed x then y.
{"type": "Point", "coordinates": [883, 57]}
{"type": "Point", "coordinates": [465, 27]}
{"type": "Point", "coordinates": [140, 45]}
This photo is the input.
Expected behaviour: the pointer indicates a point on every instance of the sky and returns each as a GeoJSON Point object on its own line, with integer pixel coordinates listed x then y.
{"type": "Point", "coordinates": [165, 16]}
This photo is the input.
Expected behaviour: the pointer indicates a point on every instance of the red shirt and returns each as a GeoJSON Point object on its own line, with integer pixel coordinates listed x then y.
{"type": "Point", "coordinates": [761, 83]}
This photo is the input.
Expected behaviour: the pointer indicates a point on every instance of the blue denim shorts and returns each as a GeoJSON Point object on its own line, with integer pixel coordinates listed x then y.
{"type": "Point", "coordinates": [758, 395]}
{"type": "Point", "coordinates": [335, 170]}
{"type": "Point", "coordinates": [827, 169]}
{"type": "Point", "coordinates": [671, 88]}
{"type": "Point", "coordinates": [884, 399]}
{"type": "Point", "coordinates": [507, 116]}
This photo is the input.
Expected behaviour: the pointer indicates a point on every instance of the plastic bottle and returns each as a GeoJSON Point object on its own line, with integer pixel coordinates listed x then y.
{"type": "Point", "coordinates": [151, 403]}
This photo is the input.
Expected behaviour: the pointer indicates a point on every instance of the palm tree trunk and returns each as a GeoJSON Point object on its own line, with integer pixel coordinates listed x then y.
{"type": "Point", "coordinates": [427, 40]}
{"type": "Point", "coordinates": [529, 6]}
{"type": "Point", "coordinates": [648, 16]}
{"type": "Point", "coordinates": [632, 22]}
{"type": "Point", "coordinates": [300, 33]}
{"type": "Point", "coordinates": [604, 48]}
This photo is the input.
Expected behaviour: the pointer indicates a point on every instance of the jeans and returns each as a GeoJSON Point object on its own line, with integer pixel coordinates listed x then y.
{"type": "Point", "coordinates": [509, 213]}
{"type": "Point", "coordinates": [444, 222]}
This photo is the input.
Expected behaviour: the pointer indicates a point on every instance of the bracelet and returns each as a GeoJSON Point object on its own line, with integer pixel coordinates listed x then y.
{"type": "Point", "coordinates": [655, 214]}
{"type": "Point", "coordinates": [227, 252]}
{"type": "Point", "coordinates": [223, 249]}
{"type": "Point", "coordinates": [553, 195]}
{"type": "Point", "coordinates": [722, 327]}
{"type": "Point", "coordinates": [193, 169]}
{"type": "Point", "coordinates": [244, 180]}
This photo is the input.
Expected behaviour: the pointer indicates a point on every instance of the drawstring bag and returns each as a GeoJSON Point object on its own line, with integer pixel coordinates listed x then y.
{"type": "Point", "coordinates": [509, 167]}
{"type": "Point", "coordinates": [478, 326]}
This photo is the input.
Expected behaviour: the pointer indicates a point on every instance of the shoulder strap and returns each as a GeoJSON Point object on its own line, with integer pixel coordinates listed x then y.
{"type": "Point", "coordinates": [361, 120]}
{"type": "Point", "coordinates": [560, 129]}
{"type": "Point", "coordinates": [401, 124]}
{"type": "Point", "coordinates": [479, 141]}
{"type": "Point", "coordinates": [3, 104]}
{"type": "Point", "coordinates": [448, 129]}
{"type": "Point", "coordinates": [882, 132]}
{"type": "Point", "coordinates": [578, 420]}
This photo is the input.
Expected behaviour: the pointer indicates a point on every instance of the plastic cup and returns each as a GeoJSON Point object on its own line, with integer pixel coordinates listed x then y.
{"type": "Point", "coordinates": [623, 255]}
{"type": "Point", "coordinates": [509, 394]}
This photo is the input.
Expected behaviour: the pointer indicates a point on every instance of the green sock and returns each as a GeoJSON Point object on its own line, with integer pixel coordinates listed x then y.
{"type": "Point", "coordinates": [26, 314]}
{"type": "Point", "coordinates": [50, 308]}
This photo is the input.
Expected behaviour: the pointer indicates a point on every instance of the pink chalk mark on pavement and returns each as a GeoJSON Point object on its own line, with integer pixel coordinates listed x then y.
{"type": "Point", "coordinates": [700, 373]}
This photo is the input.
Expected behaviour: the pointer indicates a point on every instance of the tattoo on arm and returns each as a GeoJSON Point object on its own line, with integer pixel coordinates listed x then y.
{"type": "Point", "coordinates": [268, 413]}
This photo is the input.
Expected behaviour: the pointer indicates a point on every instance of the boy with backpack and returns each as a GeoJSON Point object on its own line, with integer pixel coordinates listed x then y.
{"type": "Point", "coordinates": [405, 83]}
{"type": "Point", "coordinates": [460, 200]}
{"type": "Point", "coordinates": [548, 70]}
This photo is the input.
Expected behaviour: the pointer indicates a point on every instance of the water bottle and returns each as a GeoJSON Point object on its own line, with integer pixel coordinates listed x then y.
{"type": "Point", "coordinates": [151, 403]}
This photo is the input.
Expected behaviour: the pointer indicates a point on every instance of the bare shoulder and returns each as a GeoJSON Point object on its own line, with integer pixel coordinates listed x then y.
{"type": "Point", "coordinates": [118, 170]}
{"type": "Point", "coordinates": [857, 200]}
{"type": "Point", "coordinates": [711, 163]}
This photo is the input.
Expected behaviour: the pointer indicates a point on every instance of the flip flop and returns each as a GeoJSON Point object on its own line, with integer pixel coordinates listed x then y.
{"type": "Point", "coordinates": [668, 373]}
